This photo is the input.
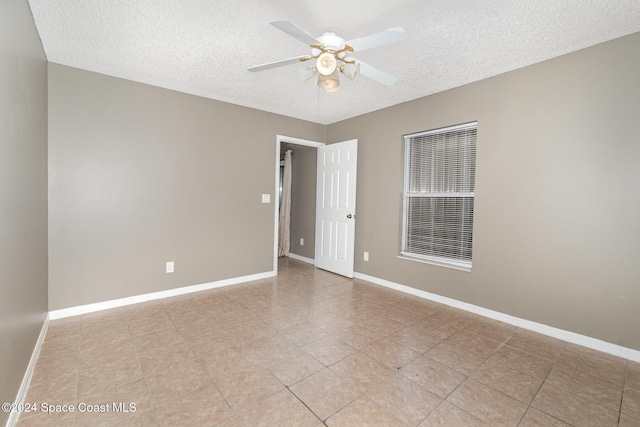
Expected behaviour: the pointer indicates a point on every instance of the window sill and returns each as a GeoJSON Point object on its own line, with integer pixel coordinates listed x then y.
{"type": "Point", "coordinates": [439, 262]}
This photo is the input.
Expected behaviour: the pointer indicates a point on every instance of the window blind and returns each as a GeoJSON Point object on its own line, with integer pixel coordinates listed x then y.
{"type": "Point", "coordinates": [439, 190]}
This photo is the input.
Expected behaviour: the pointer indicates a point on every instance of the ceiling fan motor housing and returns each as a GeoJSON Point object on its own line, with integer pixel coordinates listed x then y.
{"type": "Point", "coordinates": [331, 41]}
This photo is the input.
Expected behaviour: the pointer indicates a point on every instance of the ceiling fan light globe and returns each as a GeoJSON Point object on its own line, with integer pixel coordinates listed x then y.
{"type": "Point", "coordinates": [351, 70]}
{"type": "Point", "coordinates": [306, 73]}
{"type": "Point", "coordinates": [329, 83]}
{"type": "Point", "coordinates": [326, 64]}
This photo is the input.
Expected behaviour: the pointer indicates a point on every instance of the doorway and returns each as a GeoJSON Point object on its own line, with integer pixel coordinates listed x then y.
{"type": "Point", "coordinates": [305, 147]}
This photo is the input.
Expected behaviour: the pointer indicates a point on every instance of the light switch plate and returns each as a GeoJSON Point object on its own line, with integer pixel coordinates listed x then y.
{"type": "Point", "coordinates": [266, 198]}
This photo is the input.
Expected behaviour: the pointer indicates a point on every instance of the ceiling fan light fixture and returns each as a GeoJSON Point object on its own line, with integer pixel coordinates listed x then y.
{"type": "Point", "coordinates": [329, 83]}
{"type": "Point", "coordinates": [351, 70]}
{"type": "Point", "coordinates": [306, 72]}
{"type": "Point", "coordinates": [326, 63]}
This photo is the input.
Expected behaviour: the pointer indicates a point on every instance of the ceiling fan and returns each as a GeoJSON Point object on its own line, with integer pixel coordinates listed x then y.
{"type": "Point", "coordinates": [332, 54]}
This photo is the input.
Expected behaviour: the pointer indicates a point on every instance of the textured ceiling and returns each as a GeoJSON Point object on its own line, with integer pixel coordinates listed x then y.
{"type": "Point", "coordinates": [204, 47]}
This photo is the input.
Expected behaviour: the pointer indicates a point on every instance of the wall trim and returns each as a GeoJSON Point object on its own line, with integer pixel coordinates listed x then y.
{"type": "Point", "coordinates": [104, 305]}
{"type": "Point", "coordinates": [302, 258]}
{"type": "Point", "coordinates": [572, 337]}
{"type": "Point", "coordinates": [26, 379]}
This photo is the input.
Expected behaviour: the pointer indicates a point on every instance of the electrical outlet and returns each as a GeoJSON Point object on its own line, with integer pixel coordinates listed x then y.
{"type": "Point", "coordinates": [266, 198]}
{"type": "Point", "coordinates": [366, 256]}
{"type": "Point", "coordinates": [301, 241]}
{"type": "Point", "coordinates": [170, 267]}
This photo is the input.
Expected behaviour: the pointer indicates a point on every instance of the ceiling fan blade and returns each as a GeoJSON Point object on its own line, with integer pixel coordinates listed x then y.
{"type": "Point", "coordinates": [382, 38]}
{"type": "Point", "coordinates": [294, 31]}
{"type": "Point", "coordinates": [279, 63]}
{"type": "Point", "coordinates": [377, 75]}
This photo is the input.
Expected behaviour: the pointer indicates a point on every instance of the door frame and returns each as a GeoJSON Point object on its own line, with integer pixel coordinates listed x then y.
{"type": "Point", "coordinates": [289, 140]}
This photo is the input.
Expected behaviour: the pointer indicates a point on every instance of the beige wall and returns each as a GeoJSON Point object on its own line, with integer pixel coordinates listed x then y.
{"type": "Point", "coordinates": [557, 219]}
{"type": "Point", "coordinates": [303, 199]}
{"type": "Point", "coordinates": [141, 175]}
{"type": "Point", "coordinates": [23, 194]}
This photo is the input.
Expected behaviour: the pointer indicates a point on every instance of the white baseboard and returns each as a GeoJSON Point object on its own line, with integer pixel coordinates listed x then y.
{"type": "Point", "coordinates": [26, 379]}
{"type": "Point", "coordinates": [303, 259]}
{"type": "Point", "coordinates": [90, 308]}
{"type": "Point", "coordinates": [568, 336]}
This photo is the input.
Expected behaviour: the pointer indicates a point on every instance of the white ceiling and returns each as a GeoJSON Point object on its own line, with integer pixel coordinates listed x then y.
{"type": "Point", "coordinates": [204, 47]}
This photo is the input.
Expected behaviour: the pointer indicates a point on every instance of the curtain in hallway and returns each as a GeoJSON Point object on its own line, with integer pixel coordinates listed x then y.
{"type": "Point", "coordinates": [284, 226]}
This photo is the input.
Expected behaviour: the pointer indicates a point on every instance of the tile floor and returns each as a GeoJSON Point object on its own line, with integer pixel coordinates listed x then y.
{"type": "Point", "coordinates": [310, 348]}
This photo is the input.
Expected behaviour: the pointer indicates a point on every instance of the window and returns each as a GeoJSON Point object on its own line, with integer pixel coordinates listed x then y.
{"type": "Point", "coordinates": [439, 189]}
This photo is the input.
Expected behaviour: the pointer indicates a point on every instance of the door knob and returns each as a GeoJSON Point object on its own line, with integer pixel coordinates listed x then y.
{"type": "Point", "coordinates": [349, 216]}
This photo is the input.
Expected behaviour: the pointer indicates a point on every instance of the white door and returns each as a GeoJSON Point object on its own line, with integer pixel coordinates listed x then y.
{"type": "Point", "coordinates": [336, 207]}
